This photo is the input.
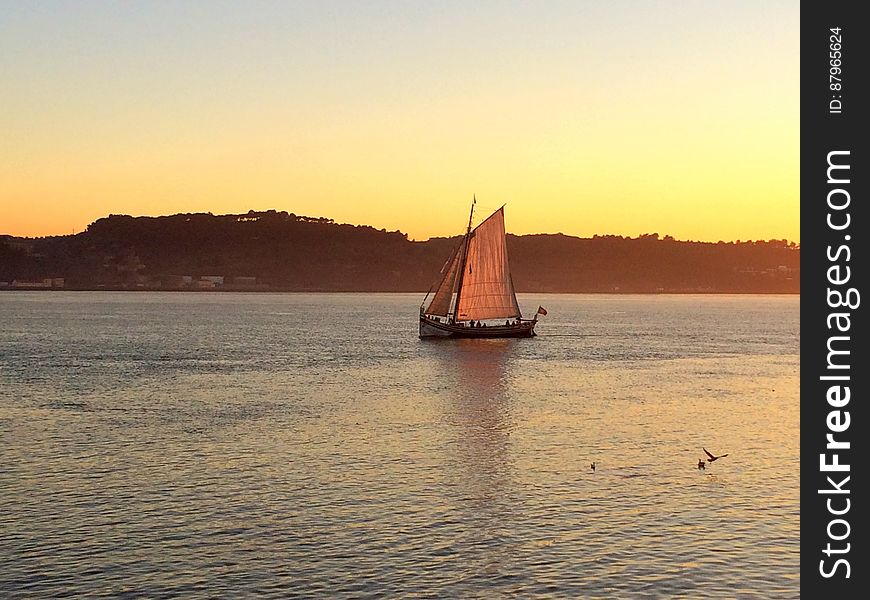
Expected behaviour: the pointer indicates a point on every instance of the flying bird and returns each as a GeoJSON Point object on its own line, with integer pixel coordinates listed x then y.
{"type": "Point", "coordinates": [712, 458]}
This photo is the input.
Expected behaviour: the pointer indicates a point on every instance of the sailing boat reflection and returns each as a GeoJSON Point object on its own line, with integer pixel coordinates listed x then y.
{"type": "Point", "coordinates": [481, 402]}
{"type": "Point", "coordinates": [481, 464]}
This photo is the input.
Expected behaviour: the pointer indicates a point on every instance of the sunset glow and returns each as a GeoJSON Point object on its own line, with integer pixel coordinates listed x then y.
{"type": "Point", "coordinates": [585, 118]}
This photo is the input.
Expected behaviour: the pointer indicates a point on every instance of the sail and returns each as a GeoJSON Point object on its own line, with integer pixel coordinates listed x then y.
{"type": "Point", "coordinates": [440, 304]}
{"type": "Point", "coordinates": [487, 291]}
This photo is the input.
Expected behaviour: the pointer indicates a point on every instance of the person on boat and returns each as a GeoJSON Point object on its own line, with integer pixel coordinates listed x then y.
{"type": "Point", "coordinates": [507, 323]}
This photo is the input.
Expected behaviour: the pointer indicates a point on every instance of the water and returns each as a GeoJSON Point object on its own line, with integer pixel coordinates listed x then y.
{"type": "Point", "coordinates": [205, 445]}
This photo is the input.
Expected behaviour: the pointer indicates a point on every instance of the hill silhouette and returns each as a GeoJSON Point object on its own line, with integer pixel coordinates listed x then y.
{"type": "Point", "coordinates": [279, 251]}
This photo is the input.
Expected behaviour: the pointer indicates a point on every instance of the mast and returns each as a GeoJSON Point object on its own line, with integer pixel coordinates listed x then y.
{"type": "Point", "coordinates": [464, 257]}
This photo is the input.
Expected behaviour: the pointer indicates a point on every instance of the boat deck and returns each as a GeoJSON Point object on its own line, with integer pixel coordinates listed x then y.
{"type": "Point", "coordinates": [429, 327]}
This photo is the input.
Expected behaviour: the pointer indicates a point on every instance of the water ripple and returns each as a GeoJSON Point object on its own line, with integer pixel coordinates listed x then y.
{"type": "Point", "coordinates": [204, 445]}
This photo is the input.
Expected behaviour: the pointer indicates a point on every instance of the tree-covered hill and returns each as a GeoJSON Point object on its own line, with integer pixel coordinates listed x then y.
{"type": "Point", "coordinates": [280, 251]}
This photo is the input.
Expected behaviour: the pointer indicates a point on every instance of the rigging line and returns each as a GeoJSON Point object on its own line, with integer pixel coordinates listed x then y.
{"type": "Point", "coordinates": [487, 208]}
{"type": "Point", "coordinates": [449, 204]}
{"type": "Point", "coordinates": [485, 213]}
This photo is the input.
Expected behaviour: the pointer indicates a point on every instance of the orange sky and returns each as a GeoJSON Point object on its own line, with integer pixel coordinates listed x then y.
{"type": "Point", "coordinates": [628, 117]}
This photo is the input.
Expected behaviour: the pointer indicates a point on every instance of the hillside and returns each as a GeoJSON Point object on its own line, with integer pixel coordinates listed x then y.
{"type": "Point", "coordinates": [280, 251]}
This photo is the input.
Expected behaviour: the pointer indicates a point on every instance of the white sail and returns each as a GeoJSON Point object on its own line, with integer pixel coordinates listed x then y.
{"type": "Point", "coordinates": [443, 298]}
{"type": "Point", "coordinates": [487, 291]}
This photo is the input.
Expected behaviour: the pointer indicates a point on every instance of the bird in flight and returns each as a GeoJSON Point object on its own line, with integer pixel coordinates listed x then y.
{"type": "Point", "coordinates": [712, 458]}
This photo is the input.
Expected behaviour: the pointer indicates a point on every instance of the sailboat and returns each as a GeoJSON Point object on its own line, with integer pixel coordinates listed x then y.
{"type": "Point", "coordinates": [474, 295]}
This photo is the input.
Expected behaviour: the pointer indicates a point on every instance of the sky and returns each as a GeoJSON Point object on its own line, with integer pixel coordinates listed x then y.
{"type": "Point", "coordinates": [621, 117]}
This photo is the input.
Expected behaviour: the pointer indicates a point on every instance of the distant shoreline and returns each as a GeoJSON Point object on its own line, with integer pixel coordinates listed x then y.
{"type": "Point", "coordinates": [284, 252]}
{"type": "Point", "coordinates": [421, 292]}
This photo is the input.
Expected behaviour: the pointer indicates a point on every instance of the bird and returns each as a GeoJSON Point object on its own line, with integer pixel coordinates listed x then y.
{"type": "Point", "coordinates": [712, 458]}
{"type": "Point", "coordinates": [592, 466]}
{"type": "Point", "coordinates": [701, 465]}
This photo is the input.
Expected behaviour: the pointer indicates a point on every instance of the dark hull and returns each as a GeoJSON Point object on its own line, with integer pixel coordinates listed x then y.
{"type": "Point", "coordinates": [434, 329]}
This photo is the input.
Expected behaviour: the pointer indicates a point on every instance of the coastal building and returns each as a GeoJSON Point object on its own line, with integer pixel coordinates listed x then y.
{"type": "Point", "coordinates": [31, 285]}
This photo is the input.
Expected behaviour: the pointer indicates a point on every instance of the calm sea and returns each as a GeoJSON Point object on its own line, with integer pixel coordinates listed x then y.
{"type": "Point", "coordinates": [302, 445]}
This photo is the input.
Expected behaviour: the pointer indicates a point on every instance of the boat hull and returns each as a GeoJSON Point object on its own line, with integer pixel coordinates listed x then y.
{"type": "Point", "coordinates": [430, 328]}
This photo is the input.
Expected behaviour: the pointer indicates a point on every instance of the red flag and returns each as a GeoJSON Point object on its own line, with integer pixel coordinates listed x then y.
{"type": "Point", "coordinates": [542, 310]}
